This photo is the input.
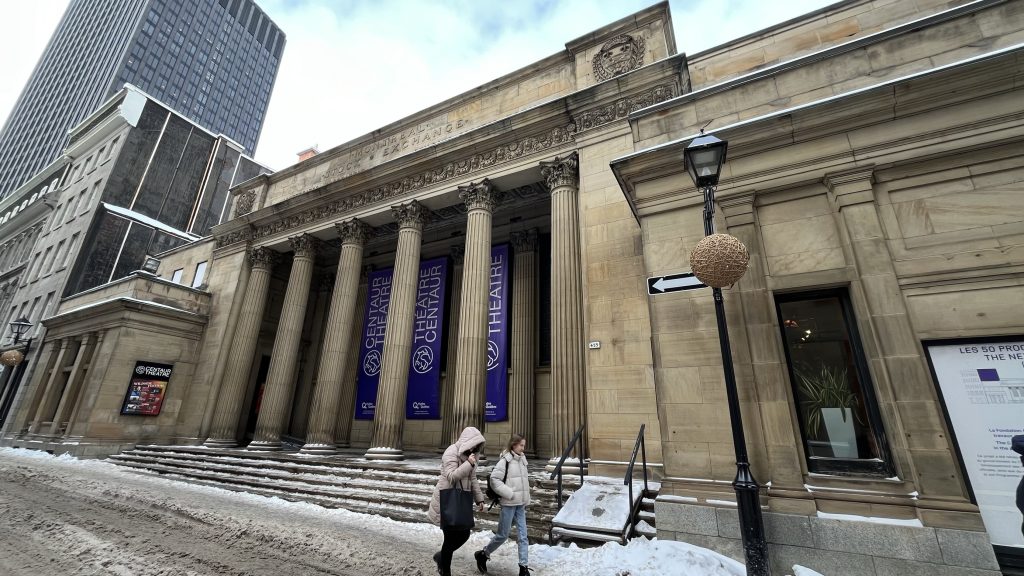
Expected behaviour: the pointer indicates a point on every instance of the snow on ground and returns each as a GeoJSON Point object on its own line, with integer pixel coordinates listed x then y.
{"type": "Point", "coordinates": [61, 515]}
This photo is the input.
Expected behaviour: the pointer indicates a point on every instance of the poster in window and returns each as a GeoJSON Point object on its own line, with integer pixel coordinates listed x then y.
{"type": "Point", "coordinates": [146, 389]}
{"type": "Point", "coordinates": [982, 385]}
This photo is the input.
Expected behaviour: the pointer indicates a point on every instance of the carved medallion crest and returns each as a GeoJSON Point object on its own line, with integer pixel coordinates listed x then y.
{"type": "Point", "coordinates": [618, 56]}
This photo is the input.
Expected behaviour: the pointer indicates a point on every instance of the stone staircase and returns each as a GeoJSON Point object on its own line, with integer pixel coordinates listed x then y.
{"type": "Point", "coordinates": [397, 490]}
{"type": "Point", "coordinates": [599, 513]}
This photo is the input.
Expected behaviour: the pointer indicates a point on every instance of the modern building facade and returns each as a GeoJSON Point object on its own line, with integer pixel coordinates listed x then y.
{"type": "Point", "coordinates": [137, 179]}
{"type": "Point", "coordinates": [486, 262]}
{"type": "Point", "coordinates": [213, 60]}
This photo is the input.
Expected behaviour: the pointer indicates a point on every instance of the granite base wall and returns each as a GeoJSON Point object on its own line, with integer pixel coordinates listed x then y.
{"type": "Point", "coordinates": [834, 547]}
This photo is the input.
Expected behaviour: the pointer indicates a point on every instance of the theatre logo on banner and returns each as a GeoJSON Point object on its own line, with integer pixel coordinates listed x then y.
{"type": "Point", "coordinates": [982, 384]}
{"type": "Point", "coordinates": [496, 408]}
{"type": "Point", "coordinates": [422, 400]}
{"type": "Point", "coordinates": [371, 348]}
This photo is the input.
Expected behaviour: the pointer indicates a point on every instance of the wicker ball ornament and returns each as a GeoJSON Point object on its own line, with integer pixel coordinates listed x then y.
{"type": "Point", "coordinates": [11, 358]}
{"type": "Point", "coordinates": [719, 260]}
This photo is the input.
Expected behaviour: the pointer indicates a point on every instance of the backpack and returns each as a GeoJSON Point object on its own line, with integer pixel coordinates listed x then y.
{"type": "Point", "coordinates": [491, 494]}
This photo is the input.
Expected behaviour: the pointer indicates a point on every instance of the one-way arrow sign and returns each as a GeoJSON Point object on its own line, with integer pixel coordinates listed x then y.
{"type": "Point", "coordinates": [673, 283]}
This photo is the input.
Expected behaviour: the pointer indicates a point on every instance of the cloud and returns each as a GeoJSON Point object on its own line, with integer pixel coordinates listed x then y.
{"type": "Point", "coordinates": [352, 67]}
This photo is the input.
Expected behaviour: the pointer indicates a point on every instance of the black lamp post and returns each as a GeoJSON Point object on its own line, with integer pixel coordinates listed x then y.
{"type": "Point", "coordinates": [704, 159]}
{"type": "Point", "coordinates": [18, 328]}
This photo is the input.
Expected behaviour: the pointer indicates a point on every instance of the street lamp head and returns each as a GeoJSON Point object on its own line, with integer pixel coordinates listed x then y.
{"type": "Point", "coordinates": [19, 327]}
{"type": "Point", "coordinates": [704, 158]}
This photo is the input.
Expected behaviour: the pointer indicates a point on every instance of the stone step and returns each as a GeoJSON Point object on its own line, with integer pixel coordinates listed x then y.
{"type": "Point", "coordinates": [583, 538]}
{"type": "Point", "coordinates": [340, 476]}
{"type": "Point", "coordinates": [401, 491]}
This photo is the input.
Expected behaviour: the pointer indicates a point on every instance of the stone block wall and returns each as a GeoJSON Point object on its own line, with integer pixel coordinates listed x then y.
{"type": "Point", "coordinates": [834, 546]}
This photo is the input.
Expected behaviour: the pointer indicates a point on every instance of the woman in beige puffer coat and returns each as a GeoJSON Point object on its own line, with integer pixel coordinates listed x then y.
{"type": "Point", "coordinates": [510, 479]}
{"type": "Point", "coordinates": [458, 469]}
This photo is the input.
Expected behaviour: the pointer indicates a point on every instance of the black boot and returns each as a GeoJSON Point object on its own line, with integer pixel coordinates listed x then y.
{"type": "Point", "coordinates": [481, 560]}
{"type": "Point", "coordinates": [523, 570]}
{"type": "Point", "coordinates": [442, 570]}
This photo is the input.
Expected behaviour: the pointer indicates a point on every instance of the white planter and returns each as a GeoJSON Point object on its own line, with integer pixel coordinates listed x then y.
{"type": "Point", "coordinates": [841, 433]}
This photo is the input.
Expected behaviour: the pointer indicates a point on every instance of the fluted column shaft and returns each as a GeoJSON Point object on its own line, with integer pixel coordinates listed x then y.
{"type": "Point", "coordinates": [389, 417]}
{"type": "Point", "coordinates": [75, 378]}
{"type": "Point", "coordinates": [567, 361]}
{"type": "Point", "coordinates": [524, 335]}
{"type": "Point", "coordinates": [323, 419]}
{"type": "Point", "coordinates": [47, 403]}
{"type": "Point", "coordinates": [281, 374]}
{"type": "Point", "coordinates": [90, 379]}
{"type": "Point", "coordinates": [224, 430]}
{"type": "Point", "coordinates": [346, 405]}
{"type": "Point", "coordinates": [448, 431]}
{"type": "Point", "coordinates": [471, 363]}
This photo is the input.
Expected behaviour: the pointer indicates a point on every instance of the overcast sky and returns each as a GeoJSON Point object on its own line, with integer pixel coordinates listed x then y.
{"type": "Point", "coordinates": [353, 66]}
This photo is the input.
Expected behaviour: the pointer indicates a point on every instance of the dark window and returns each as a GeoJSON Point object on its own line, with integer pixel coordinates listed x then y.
{"type": "Point", "coordinates": [836, 406]}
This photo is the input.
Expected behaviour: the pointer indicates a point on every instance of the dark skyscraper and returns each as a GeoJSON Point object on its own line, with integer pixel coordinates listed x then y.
{"type": "Point", "coordinates": [214, 61]}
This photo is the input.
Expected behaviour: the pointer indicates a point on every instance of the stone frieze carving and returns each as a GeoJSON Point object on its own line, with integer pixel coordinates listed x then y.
{"type": "Point", "coordinates": [381, 194]}
{"type": "Point", "coordinates": [619, 55]}
{"type": "Point", "coordinates": [504, 153]}
{"type": "Point", "coordinates": [240, 235]}
{"type": "Point", "coordinates": [622, 107]}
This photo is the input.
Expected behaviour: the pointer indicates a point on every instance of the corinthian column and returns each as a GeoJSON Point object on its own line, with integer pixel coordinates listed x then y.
{"type": "Point", "coordinates": [524, 330]}
{"type": "Point", "coordinates": [448, 432]}
{"type": "Point", "coordinates": [471, 363]}
{"type": "Point", "coordinates": [323, 422]}
{"type": "Point", "coordinates": [224, 430]}
{"type": "Point", "coordinates": [567, 365]}
{"type": "Point", "coordinates": [350, 378]}
{"type": "Point", "coordinates": [281, 375]}
{"type": "Point", "coordinates": [389, 417]}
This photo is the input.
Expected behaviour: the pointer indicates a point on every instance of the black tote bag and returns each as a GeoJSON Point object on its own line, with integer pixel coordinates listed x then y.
{"type": "Point", "coordinates": [456, 509]}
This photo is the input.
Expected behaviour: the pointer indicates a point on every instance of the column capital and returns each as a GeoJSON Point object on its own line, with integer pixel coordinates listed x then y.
{"type": "Point", "coordinates": [353, 231]}
{"type": "Point", "coordinates": [524, 240]}
{"type": "Point", "coordinates": [263, 257]}
{"type": "Point", "coordinates": [304, 245]}
{"type": "Point", "coordinates": [849, 187]}
{"type": "Point", "coordinates": [482, 196]}
{"type": "Point", "coordinates": [412, 215]}
{"type": "Point", "coordinates": [562, 171]}
{"type": "Point", "coordinates": [458, 255]}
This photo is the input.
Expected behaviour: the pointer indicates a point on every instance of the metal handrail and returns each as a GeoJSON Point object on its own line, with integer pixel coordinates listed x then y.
{"type": "Point", "coordinates": [628, 480]}
{"type": "Point", "coordinates": [565, 454]}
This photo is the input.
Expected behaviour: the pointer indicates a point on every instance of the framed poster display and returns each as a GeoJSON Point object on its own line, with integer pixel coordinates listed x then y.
{"type": "Point", "coordinates": [146, 389]}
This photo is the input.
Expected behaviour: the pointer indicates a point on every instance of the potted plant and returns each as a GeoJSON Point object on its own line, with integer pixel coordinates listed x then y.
{"type": "Point", "coordinates": [829, 403]}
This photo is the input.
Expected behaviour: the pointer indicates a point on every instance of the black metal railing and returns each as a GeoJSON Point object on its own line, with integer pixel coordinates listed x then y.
{"type": "Point", "coordinates": [641, 447]}
{"type": "Point", "coordinates": [581, 454]}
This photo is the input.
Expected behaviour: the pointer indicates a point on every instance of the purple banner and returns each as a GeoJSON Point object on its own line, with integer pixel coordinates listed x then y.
{"type": "Point", "coordinates": [496, 409]}
{"type": "Point", "coordinates": [371, 347]}
{"type": "Point", "coordinates": [423, 397]}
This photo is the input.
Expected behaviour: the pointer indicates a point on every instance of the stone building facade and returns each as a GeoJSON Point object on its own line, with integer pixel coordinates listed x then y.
{"type": "Point", "coordinates": [873, 173]}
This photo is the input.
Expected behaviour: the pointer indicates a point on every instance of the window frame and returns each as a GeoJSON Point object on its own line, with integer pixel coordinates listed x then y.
{"type": "Point", "coordinates": [881, 467]}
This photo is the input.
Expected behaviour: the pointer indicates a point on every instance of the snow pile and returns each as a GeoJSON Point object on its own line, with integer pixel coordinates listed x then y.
{"type": "Point", "coordinates": [640, 557]}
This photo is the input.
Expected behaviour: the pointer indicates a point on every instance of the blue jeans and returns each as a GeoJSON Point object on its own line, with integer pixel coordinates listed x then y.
{"type": "Point", "coordinates": [508, 513]}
